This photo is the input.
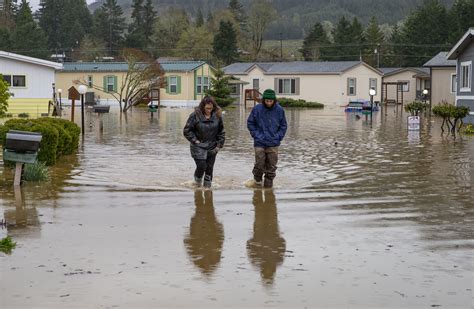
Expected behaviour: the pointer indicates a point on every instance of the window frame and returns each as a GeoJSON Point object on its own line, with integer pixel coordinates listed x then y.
{"type": "Point", "coordinates": [108, 83]}
{"type": "Point", "coordinates": [12, 85]}
{"type": "Point", "coordinates": [454, 83]}
{"type": "Point", "coordinates": [171, 84]}
{"type": "Point", "coordinates": [468, 86]}
{"type": "Point", "coordinates": [291, 86]}
{"type": "Point", "coordinates": [405, 87]}
{"type": "Point", "coordinates": [354, 86]}
{"type": "Point", "coordinates": [90, 81]}
{"type": "Point", "coordinates": [202, 84]}
{"type": "Point", "coordinates": [370, 84]}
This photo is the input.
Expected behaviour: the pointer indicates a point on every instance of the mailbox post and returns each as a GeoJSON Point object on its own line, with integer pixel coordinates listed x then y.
{"type": "Point", "coordinates": [73, 95]}
{"type": "Point", "coordinates": [21, 147]}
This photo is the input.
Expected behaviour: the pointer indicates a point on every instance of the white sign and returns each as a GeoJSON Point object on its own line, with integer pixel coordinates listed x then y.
{"type": "Point", "coordinates": [413, 123]}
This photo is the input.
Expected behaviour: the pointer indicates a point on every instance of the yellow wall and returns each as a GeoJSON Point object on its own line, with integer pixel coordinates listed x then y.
{"type": "Point", "coordinates": [33, 107]}
{"type": "Point", "coordinates": [64, 80]}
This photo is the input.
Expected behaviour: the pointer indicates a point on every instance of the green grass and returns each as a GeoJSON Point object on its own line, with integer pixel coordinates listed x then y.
{"type": "Point", "coordinates": [36, 172]}
{"type": "Point", "coordinates": [7, 245]}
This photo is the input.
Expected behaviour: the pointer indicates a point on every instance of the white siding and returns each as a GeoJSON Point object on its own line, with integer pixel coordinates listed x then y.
{"type": "Point", "coordinates": [39, 79]}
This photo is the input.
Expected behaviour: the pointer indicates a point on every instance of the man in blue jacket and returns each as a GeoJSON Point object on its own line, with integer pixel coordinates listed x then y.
{"type": "Point", "coordinates": [267, 125]}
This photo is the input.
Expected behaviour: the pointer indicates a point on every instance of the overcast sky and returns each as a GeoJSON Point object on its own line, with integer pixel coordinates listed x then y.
{"type": "Point", "coordinates": [34, 3]}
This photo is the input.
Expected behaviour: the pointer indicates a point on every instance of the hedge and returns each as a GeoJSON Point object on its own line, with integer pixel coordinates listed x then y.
{"type": "Point", "coordinates": [59, 136]}
{"type": "Point", "coordinates": [287, 102]}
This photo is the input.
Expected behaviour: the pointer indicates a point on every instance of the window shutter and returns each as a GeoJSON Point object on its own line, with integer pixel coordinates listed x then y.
{"type": "Point", "coordinates": [115, 83]}
{"type": "Point", "coordinates": [178, 87]}
{"type": "Point", "coordinates": [297, 86]}
{"type": "Point", "coordinates": [105, 84]}
{"type": "Point", "coordinates": [355, 86]}
{"type": "Point", "coordinates": [277, 90]}
{"type": "Point", "coordinates": [347, 90]}
{"type": "Point", "coordinates": [167, 84]}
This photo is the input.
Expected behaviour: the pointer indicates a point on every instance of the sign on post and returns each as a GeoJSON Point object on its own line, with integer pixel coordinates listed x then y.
{"type": "Point", "coordinates": [73, 95]}
{"type": "Point", "coordinates": [413, 123]}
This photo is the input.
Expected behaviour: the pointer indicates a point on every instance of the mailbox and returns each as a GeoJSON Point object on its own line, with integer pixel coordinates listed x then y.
{"type": "Point", "coordinates": [101, 109]}
{"type": "Point", "coordinates": [22, 141]}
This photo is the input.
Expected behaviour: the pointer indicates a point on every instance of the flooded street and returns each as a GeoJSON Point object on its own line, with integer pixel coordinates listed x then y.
{"type": "Point", "coordinates": [362, 215]}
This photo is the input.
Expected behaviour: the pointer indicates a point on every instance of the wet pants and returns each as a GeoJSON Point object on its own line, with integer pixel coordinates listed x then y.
{"type": "Point", "coordinates": [205, 167]}
{"type": "Point", "coordinates": [266, 160]}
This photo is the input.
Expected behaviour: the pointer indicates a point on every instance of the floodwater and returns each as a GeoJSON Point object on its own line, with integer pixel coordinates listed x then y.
{"type": "Point", "coordinates": [363, 215]}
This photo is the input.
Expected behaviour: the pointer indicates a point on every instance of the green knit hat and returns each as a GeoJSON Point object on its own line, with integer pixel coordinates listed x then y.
{"type": "Point", "coordinates": [269, 94]}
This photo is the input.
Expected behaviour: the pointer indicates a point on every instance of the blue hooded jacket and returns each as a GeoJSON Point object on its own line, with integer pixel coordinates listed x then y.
{"type": "Point", "coordinates": [267, 125]}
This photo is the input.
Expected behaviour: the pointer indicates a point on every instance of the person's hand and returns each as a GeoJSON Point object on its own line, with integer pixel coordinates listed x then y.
{"type": "Point", "coordinates": [197, 142]}
{"type": "Point", "coordinates": [215, 150]}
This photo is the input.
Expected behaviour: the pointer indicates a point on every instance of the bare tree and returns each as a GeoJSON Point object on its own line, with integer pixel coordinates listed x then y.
{"type": "Point", "coordinates": [143, 74]}
{"type": "Point", "coordinates": [262, 13]}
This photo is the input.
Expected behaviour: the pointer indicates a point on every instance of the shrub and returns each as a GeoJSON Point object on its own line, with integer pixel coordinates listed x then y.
{"type": "Point", "coordinates": [288, 102]}
{"type": "Point", "coordinates": [36, 172]}
{"type": "Point", "coordinates": [7, 245]}
{"type": "Point", "coordinates": [469, 129]}
{"type": "Point", "coordinates": [415, 108]}
{"type": "Point", "coordinates": [23, 115]}
{"type": "Point", "coordinates": [451, 115]}
{"type": "Point", "coordinates": [59, 136]}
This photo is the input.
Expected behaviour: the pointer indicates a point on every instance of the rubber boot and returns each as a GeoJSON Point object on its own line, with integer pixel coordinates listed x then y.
{"type": "Point", "coordinates": [198, 181]}
{"type": "Point", "coordinates": [268, 183]}
{"type": "Point", "coordinates": [207, 181]}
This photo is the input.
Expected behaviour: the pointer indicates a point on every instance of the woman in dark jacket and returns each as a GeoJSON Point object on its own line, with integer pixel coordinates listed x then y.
{"type": "Point", "coordinates": [205, 131]}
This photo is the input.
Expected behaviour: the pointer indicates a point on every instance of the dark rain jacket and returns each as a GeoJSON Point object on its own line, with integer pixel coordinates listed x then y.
{"type": "Point", "coordinates": [267, 125]}
{"type": "Point", "coordinates": [210, 132]}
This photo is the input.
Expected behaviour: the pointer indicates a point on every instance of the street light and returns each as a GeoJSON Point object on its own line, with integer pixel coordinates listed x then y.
{"type": "Point", "coordinates": [425, 95]}
{"type": "Point", "coordinates": [59, 92]}
{"type": "Point", "coordinates": [372, 92]}
{"type": "Point", "coordinates": [82, 90]}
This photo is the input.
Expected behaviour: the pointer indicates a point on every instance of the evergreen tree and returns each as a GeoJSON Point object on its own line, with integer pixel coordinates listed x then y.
{"type": "Point", "coordinates": [220, 89]}
{"type": "Point", "coordinates": [28, 39]}
{"type": "Point", "coordinates": [461, 18]}
{"type": "Point", "coordinates": [149, 18]}
{"type": "Point", "coordinates": [65, 22]}
{"type": "Point", "coordinates": [237, 10]}
{"type": "Point", "coordinates": [168, 30]}
{"type": "Point", "coordinates": [7, 14]}
{"type": "Point", "coordinates": [342, 38]}
{"type": "Point", "coordinates": [136, 37]}
{"type": "Point", "coordinates": [199, 19]}
{"type": "Point", "coordinates": [357, 40]}
{"type": "Point", "coordinates": [392, 55]}
{"type": "Point", "coordinates": [315, 44]}
{"type": "Point", "coordinates": [109, 25]}
{"type": "Point", "coordinates": [374, 38]}
{"type": "Point", "coordinates": [225, 43]}
{"type": "Point", "coordinates": [425, 33]}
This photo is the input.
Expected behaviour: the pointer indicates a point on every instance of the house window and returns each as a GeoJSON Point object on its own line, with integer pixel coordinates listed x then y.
{"type": "Point", "coordinates": [90, 81]}
{"type": "Point", "coordinates": [8, 79]}
{"type": "Point", "coordinates": [202, 84]}
{"type": "Point", "coordinates": [173, 84]}
{"type": "Point", "coordinates": [373, 84]}
{"type": "Point", "coordinates": [454, 84]}
{"type": "Point", "coordinates": [465, 74]}
{"type": "Point", "coordinates": [351, 86]}
{"type": "Point", "coordinates": [256, 83]}
{"type": "Point", "coordinates": [405, 87]}
{"type": "Point", "coordinates": [234, 89]}
{"type": "Point", "coordinates": [286, 86]}
{"type": "Point", "coordinates": [110, 83]}
{"type": "Point", "coordinates": [19, 81]}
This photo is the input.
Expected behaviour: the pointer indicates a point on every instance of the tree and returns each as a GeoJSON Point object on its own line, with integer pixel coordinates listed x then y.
{"type": "Point", "coordinates": [342, 39]}
{"type": "Point", "coordinates": [91, 49]}
{"type": "Point", "coordinates": [4, 96]}
{"type": "Point", "coordinates": [143, 74]}
{"type": "Point", "coordinates": [109, 25]}
{"type": "Point", "coordinates": [315, 44]}
{"type": "Point", "coordinates": [237, 10]}
{"type": "Point", "coordinates": [65, 22]}
{"type": "Point", "coordinates": [224, 45]}
{"type": "Point", "coordinates": [461, 18]}
{"type": "Point", "coordinates": [425, 33]}
{"type": "Point", "coordinates": [194, 43]}
{"type": "Point", "coordinates": [356, 41]}
{"type": "Point", "coordinates": [374, 38]}
{"type": "Point", "coordinates": [261, 15]}
{"type": "Point", "coordinates": [7, 14]}
{"type": "Point", "coordinates": [28, 39]}
{"type": "Point", "coordinates": [149, 18]}
{"type": "Point", "coordinates": [168, 30]}
{"type": "Point", "coordinates": [220, 89]}
{"type": "Point", "coordinates": [199, 19]}
{"type": "Point", "coordinates": [136, 37]}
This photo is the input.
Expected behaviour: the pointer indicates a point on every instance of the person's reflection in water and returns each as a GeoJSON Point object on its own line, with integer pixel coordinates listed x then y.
{"type": "Point", "coordinates": [267, 248]}
{"type": "Point", "coordinates": [206, 234]}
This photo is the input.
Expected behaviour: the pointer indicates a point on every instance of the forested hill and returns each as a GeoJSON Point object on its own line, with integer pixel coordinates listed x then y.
{"type": "Point", "coordinates": [296, 15]}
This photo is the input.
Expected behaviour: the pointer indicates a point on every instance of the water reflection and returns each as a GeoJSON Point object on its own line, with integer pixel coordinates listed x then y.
{"type": "Point", "coordinates": [266, 248]}
{"type": "Point", "coordinates": [206, 234]}
{"type": "Point", "coordinates": [21, 216]}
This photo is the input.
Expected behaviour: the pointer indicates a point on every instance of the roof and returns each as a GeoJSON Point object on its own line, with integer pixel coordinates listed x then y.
{"type": "Point", "coordinates": [440, 60]}
{"type": "Point", "coordinates": [296, 67]}
{"type": "Point", "coordinates": [168, 66]}
{"type": "Point", "coordinates": [464, 42]}
{"type": "Point", "coordinates": [31, 60]}
{"type": "Point", "coordinates": [393, 71]}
